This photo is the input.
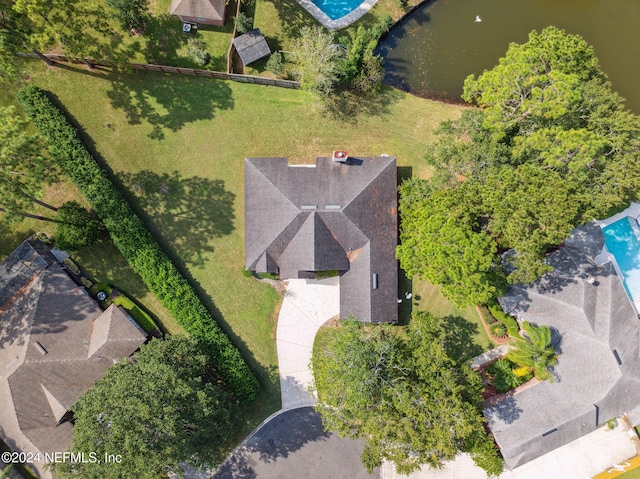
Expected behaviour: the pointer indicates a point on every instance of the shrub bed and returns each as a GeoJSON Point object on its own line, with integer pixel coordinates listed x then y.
{"type": "Point", "coordinates": [509, 321]}
{"type": "Point", "coordinates": [132, 238]}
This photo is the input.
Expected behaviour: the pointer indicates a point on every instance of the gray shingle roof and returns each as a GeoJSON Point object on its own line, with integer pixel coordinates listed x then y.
{"type": "Point", "coordinates": [589, 322]}
{"type": "Point", "coordinates": [329, 217]}
{"type": "Point", "coordinates": [251, 46]}
{"type": "Point", "coordinates": [20, 267]}
{"type": "Point", "coordinates": [81, 341]}
{"type": "Point", "coordinates": [207, 9]}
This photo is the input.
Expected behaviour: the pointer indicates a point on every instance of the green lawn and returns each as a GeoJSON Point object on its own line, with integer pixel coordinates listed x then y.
{"type": "Point", "coordinates": [428, 298]}
{"type": "Point", "coordinates": [176, 144]}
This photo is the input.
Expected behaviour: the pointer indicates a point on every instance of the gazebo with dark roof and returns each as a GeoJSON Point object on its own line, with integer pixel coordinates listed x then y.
{"type": "Point", "coordinates": [251, 46]}
{"type": "Point", "coordinates": [303, 219]}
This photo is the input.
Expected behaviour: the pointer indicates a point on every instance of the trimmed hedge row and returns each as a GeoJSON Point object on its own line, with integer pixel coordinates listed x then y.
{"type": "Point", "coordinates": [132, 238]}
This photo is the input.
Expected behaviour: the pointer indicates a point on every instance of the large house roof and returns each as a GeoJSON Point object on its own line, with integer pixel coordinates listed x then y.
{"type": "Point", "coordinates": [597, 335]}
{"type": "Point", "coordinates": [327, 216]}
{"type": "Point", "coordinates": [55, 341]}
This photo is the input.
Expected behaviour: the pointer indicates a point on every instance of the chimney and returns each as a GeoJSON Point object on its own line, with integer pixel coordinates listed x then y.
{"type": "Point", "coordinates": [340, 156]}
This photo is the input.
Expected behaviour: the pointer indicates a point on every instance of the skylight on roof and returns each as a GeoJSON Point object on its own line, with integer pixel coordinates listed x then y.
{"type": "Point", "coordinates": [308, 207]}
{"type": "Point", "coordinates": [333, 207]}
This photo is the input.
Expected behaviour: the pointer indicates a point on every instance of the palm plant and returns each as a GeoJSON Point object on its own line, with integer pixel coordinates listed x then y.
{"type": "Point", "coordinates": [535, 351]}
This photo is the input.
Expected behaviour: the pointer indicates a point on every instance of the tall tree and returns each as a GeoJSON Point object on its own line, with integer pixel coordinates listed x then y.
{"type": "Point", "coordinates": [551, 147]}
{"type": "Point", "coordinates": [131, 14]}
{"type": "Point", "coordinates": [442, 241]}
{"type": "Point", "coordinates": [316, 60]}
{"type": "Point", "coordinates": [409, 399]}
{"type": "Point", "coordinates": [158, 411]}
{"type": "Point", "coordinates": [23, 167]}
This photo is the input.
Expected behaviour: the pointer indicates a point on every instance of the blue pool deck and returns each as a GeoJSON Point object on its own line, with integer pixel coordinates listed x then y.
{"type": "Point", "coordinates": [622, 249]}
{"type": "Point", "coordinates": [341, 22]}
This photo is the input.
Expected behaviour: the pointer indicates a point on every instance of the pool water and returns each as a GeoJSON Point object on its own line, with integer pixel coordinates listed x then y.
{"type": "Point", "coordinates": [622, 239]}
{"type": "Point", "coordinates": [335, 9]}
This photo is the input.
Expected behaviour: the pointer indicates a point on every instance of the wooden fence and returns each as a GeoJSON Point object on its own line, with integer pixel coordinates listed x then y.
{"type": "Point", "coordinates": [181, 71]}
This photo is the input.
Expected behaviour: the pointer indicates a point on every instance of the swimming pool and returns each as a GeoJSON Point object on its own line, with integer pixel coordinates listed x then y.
{"type": "Point", "coordinates": [335, 9]}
{"type": "Point", "coordinates": [622, 239]}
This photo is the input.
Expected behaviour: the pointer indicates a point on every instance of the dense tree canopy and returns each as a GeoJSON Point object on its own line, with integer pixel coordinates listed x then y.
{"type": "Point", "coordinates": [157, 411]}
{"type": "Point", "coordinates": [77, 227]}
{"type": "Point", "coordinates": [551, 147]}
{"type": "Point", "coordinates": [409, 399]}
{"type": "Point", "coordinates": [316, 60]}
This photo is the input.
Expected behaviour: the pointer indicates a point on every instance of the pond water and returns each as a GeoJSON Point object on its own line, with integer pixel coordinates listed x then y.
{"type": "Point", "coordinates": [434, 49]}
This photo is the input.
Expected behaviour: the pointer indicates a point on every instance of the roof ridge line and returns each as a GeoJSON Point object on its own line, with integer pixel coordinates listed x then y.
{"type": "Point", "coordinates": [375, 177]}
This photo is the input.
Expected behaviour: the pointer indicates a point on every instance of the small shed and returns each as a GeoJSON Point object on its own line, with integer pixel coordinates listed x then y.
{"type": "Point", "coordinates": [251, 46]}
{"type": "Point", "coordinates": [203, 12]}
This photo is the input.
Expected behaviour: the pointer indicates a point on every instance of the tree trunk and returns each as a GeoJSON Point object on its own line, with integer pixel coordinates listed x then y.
{"type": "Point", "coordinates": [29, 215]}
{"type": "Point", "coordinates": [45, 59]}
{"type": "Point", "coordinates": [41, 203]}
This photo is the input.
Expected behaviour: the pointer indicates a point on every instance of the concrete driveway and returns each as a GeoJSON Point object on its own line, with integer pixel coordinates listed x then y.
{"type": "Point", "coordinates": [307, 305]}
{"type": "Point", "coordinates": [580, 459]}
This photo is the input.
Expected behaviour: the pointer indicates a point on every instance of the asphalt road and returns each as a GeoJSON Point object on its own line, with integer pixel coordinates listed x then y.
{"type": "Point", "coordinates": [294, 445]}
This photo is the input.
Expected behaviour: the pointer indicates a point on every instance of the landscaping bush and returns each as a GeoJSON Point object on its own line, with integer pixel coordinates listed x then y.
{"type": "Point", "coordinates": [507, 375]}
{"type": "Point", "coordinates": [197, 51]}
{"type": "Point", "coordinates": [72, 266]}
{"type": "Point", "coordinates": [498, 330]}
{"type": "Point", "coordinates": [509, 321]}
{"type": "Point", "coordinates": [275, 63]}
{"type": "Point", "coordinates": [136, 244]}
{"type": "Point", "coordinates": [243, 22]}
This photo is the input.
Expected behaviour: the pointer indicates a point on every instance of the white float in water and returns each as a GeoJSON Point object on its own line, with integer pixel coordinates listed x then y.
{"type": "Point", "coordinates": [478, 19]}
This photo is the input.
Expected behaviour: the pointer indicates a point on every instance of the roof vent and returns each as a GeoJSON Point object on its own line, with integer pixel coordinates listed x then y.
{"type": "Point", "coordinates": [545, 434]}
{"type": "Point", "coordinates": [617, 356]}
{"type": "Point", "coordinates": [40, 348]}
{"type": "Point", "coordinates": [340, 156]}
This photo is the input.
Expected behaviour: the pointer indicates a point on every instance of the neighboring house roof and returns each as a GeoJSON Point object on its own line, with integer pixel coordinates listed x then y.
{"type": "Point", "coordinates": [327, 216]}
{"type": "Point", "coordinates": [251, 46]}
{"type": "Point", "coordinates": [597, 335]}
{"type": "Point", "coordinates": [207, 9]}
{"type": "Point", "coordinates": [55, 342]}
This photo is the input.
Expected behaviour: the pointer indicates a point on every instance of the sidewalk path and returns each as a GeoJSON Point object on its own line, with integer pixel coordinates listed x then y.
{"type": "Point", "coordinates": [582, 458]}
{"type": "Point", "coordinates": [307, 305]}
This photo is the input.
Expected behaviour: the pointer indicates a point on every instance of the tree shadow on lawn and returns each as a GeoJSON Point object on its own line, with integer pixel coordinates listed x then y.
{"type": "Point", "coordinates": [167, 101]}
{"type": "Point", "coordinates": [164, 37]}
{"type": "Point", "coordinates": [189, 211]}
{"type": "Point", "coordinates": [349, 106]}
{"type": "Point", "coordinates": [460, 338]}
{"type": "Point", "coordinates": [292, 17]}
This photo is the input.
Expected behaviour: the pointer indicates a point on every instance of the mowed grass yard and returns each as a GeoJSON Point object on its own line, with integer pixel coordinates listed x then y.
{"type": "Point", "coordinates": [176, 144]}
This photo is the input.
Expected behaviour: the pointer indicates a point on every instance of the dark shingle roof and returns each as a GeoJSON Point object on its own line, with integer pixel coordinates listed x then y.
{"type": "Point", "coordinates": [251, 46]}
{"type": "Point", "coordinates": [589, 322]}
{"type": "Point", "coordinates": [81, 341]}
{"type": "Point", "coordinates": [330, 216]}
{"type": "Point", "coordinates": [207, 9]}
